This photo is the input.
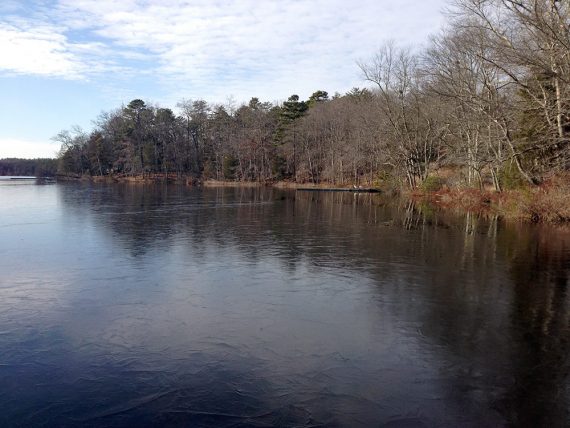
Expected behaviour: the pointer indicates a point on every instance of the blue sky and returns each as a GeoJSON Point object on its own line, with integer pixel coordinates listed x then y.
{"type": "Point", "coordinates": [62, 62]}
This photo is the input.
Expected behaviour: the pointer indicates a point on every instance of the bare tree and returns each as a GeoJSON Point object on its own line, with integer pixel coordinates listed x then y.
{"type": "Point", "coordinates": [415, 132]}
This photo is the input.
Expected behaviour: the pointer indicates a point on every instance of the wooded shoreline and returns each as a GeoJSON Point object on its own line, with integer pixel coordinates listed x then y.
{"type": "Point", "coordinates": [479, 120]}
{"type": "Point", "coordinates": [547, 203]}
{"type": "Point", "coordinates": [485, 105]}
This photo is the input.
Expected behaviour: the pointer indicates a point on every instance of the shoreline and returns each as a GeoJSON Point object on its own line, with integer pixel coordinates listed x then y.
{"type": "Point", "coordinates": [548, 203]}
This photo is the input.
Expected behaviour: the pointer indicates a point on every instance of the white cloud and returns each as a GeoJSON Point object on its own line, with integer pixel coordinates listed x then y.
{"type": "Point", "coordinates": [40, 50]}
{"type": "Point", "coordinates": [18, 148]}
{"type": "Point", "coordinates": [213, 48]}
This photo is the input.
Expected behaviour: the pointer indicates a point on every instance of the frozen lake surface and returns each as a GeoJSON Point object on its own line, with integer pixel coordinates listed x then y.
{"type": "Point", "coordinates": [141, 306]}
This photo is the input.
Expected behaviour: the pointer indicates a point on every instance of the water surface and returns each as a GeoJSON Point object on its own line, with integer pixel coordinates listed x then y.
{"type": "Point", "coordinates": [168, 306]}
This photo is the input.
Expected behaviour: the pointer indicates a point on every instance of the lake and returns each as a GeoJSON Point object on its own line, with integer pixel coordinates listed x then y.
{"type": "Point", "coordinates": [125, 305]}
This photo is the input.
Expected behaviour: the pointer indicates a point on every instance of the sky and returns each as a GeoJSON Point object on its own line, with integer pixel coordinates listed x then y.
{"type": "Point", "coordinates": [63, 62]}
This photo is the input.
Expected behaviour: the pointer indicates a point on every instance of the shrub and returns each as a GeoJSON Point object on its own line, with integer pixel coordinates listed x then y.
{"type": "Point", "coordinates": [432, 183]}
{"type": "Point", "coordinates": [510, 178]}
{"type": "Point", "coordinates": [388, 182]}
{"type": "Point", "coordinates": [550, 202]}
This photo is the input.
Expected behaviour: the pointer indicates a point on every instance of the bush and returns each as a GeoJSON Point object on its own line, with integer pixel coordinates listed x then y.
{"type": "Point", "coordinates": [432, 183]}
{"type": "Point", "coordinates": [550, 202]}
{"type": "Point", "coordinates": [510, 178]}
{"type": "Point", "coordinates": [388, 182]}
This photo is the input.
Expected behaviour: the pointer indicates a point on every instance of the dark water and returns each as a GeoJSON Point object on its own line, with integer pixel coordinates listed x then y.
{"type": "Point", "coordinates": [166, 306]}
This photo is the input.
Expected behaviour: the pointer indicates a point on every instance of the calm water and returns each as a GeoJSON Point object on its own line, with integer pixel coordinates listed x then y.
{"type": "Point", "coordinates": [167, 306]}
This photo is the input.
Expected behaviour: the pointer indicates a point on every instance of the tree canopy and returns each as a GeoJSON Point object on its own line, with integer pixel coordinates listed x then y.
{"type": "Point", "coordinates": [488, 97]}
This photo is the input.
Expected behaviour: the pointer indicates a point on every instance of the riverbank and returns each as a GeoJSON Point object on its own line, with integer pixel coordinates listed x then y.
{"type": "Point", "coordinates": [546, 203]}
{"type": "Point", "coordinates": [155, 178]}
{"type": "Point", "coordinates": [124, 178]}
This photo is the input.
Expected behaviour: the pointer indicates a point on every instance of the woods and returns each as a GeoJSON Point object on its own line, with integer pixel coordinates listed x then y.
{"type": "Point", "coordinates": [28, 167]}
{"type": "Point", "coordinates": [487, 101]}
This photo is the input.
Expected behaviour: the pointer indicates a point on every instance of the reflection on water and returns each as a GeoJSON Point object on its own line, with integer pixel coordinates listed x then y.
{"type": "Point", "coordinates": [169, 306]}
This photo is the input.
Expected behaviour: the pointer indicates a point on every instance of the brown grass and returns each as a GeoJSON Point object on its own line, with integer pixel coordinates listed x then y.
{"type": "Point", "coordinates": [221, 183]}
{"type": "Point", "coordinates": [547, 203]}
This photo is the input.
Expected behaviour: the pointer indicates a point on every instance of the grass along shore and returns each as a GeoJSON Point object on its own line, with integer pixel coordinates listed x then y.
{"type": "Point", "coordinates": [548, 202]}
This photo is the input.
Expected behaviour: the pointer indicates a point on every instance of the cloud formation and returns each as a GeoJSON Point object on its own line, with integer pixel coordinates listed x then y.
{"type": "Point", "coordinates": [211, 48]}
{"type": "Point", "coordinates": [39, 50]}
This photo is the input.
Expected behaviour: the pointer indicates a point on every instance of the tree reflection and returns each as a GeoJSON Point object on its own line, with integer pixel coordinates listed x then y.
{"type": "Point", "coordinates": [539, 317]}
{"type": "Point", "coordinates": [487, 303]}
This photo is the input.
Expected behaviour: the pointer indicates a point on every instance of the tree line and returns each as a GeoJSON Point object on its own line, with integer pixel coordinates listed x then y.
{"type": "Point", "coordinates": [28, 167]}
{"type": "Point", "coordinates": [487, 99]}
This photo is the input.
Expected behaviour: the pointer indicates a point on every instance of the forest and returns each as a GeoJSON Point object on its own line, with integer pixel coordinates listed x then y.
{"type": "Point", "coordinates": [45, 167]}
{"type": "Point", "coordinates": [486, 104]}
